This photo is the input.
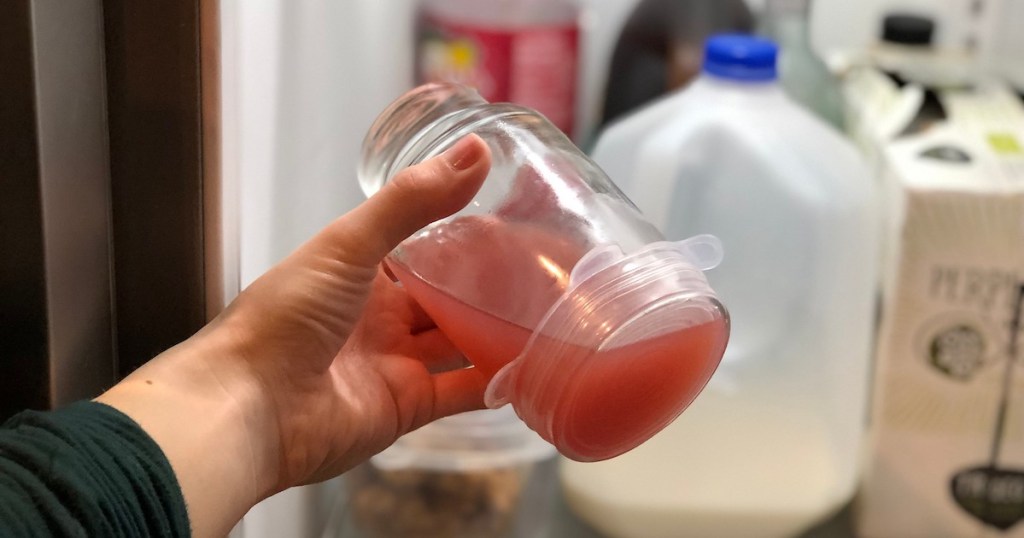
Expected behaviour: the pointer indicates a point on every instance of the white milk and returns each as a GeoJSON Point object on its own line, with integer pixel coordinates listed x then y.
{"type": "Point", "coordinates": [676, 485]}
{"type": "Point", "coordinates": [772, 445]}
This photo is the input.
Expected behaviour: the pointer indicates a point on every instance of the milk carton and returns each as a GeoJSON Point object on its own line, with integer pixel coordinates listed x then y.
{"type": "Point", "coordinates": [947, 437]}
{"type": "Point", "coordinates": [770, 447]}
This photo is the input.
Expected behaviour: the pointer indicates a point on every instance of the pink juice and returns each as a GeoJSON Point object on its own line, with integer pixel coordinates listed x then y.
{"type": "Point", "coordinates": [487, 284]}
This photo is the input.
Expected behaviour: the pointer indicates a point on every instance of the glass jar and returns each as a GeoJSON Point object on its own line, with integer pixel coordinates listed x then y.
{"type": "Point", "coordinates": [476, 475]}
{"type": "Point", "coordinates": [551, 282]}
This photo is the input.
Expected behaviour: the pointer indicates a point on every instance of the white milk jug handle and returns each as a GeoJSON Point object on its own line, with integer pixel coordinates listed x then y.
{"type": "Point", "coordinates": [656, 171]}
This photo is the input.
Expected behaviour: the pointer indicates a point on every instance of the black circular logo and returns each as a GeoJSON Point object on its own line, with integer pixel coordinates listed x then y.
{"type": "Point", "coordinates": [957, 351]}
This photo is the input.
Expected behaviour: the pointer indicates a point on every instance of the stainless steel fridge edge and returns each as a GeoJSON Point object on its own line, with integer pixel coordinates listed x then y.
{"type": "Point", "coordinates": [74, 178]}
{"type": "Point", "coordinates": [155, 124]}
{"type": "Point", "coordinates": [112, 216]}
{"type": "Point", "coordinates": [220, 191]}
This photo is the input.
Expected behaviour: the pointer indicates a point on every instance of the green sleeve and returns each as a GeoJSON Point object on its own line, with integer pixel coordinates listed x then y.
{"type": "Point", "coordinates": [85, 470]}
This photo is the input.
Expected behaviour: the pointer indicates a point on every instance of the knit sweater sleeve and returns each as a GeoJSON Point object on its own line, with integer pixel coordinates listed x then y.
{"type": "Point", "coordinates": [86, 470]}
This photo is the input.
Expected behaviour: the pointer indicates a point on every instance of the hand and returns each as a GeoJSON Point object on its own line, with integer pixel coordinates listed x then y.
{"type": "Point", "coordinates": [319, 364]}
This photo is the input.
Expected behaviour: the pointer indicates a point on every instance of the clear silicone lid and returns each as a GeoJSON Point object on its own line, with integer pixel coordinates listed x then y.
{"type": "Point", "coordinates": [629, 345]}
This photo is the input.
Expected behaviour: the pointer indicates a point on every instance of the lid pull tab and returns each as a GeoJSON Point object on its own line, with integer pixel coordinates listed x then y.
{"type": "Point", "coordinates": [705, 251]}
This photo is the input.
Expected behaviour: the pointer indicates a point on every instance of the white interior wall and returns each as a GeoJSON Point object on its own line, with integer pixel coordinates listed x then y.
{"type": "Point", "coordinates": [302, 80]}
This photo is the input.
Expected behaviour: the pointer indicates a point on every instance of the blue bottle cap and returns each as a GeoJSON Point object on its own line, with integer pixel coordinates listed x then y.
{"type": "Point", "coordinates": [740, 57]}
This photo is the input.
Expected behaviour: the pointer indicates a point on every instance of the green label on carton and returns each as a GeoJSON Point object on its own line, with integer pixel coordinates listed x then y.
{"type": "Point", "coordinates": [1005, 144]}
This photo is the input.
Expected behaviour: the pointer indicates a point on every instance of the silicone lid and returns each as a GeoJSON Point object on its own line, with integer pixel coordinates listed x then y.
{"type": "Point", "coordinates": [623, 352]}
{"type": "Point", "coordinates": [740, 57]}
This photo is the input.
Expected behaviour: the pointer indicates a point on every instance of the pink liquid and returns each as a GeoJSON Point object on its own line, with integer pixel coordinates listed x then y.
{"type": "Point", "coordinates": [612, 399]}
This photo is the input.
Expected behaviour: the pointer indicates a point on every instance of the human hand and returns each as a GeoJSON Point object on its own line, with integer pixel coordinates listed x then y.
{"type": "Point", "coordinates": [319, 364]}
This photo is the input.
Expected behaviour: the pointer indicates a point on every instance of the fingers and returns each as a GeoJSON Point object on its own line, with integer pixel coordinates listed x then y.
{"type": "Point", "coordinates": [419, 320]}
{"type": "Point", "coordinates": [457, 392]}
{"type": "Point", "coordinates": [437, 352]}
{"type": "Point", "coordinates": [396, 297]}
{"type": "Point", "coordinates": [416, 197]}
{"type": "Point", "coordinates": [421, 398]}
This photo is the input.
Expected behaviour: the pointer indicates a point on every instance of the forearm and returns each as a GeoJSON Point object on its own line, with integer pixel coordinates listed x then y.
{"type": "Point", "coordinates": [213, 424]}
{"type": "Point", "coordinates": [86, 470]}
{"type": "Point", "coordinates": [317, 365]}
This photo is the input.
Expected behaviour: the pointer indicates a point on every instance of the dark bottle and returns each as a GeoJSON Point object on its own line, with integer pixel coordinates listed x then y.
{"type": "Point", "coordinates": [661, 48]}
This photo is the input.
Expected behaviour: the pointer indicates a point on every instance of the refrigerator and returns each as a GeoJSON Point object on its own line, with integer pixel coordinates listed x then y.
{"type": "Point", "coordinates": [110, 218]}
{"type": "Point", "coordinates": [159, 156]}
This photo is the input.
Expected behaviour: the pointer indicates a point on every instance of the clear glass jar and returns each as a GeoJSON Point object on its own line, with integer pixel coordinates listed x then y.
{"type": "Point", "coordinates": [550, 281]}
{"type": "Point", "coordinates": [476, 475]}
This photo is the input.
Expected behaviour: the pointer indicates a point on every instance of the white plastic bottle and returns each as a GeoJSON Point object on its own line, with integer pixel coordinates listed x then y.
{"type": "Point", "coordinates": [772, 444]}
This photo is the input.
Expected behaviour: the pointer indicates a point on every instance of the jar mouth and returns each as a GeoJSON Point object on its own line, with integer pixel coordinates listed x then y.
{"type": "Point", "coordinates": [648, 311]}
{"type": "Point", "coordinates": [397, 126]}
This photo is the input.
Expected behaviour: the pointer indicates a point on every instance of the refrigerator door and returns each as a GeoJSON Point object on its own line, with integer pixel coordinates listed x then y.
{"type": "Point", "coordinates": [112, 214]}
{"type": "Point", "coordinates": [164, 172]}
{"type": "Point", "coordinates": [56, 315]}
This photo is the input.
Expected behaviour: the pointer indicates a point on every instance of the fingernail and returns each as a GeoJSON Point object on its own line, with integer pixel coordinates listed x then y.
{"type": "Point", "coordinates": [465, 153]}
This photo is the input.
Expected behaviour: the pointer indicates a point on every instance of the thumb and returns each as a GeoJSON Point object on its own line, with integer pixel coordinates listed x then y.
{"type": "Point", "coordinates": [414, 198]}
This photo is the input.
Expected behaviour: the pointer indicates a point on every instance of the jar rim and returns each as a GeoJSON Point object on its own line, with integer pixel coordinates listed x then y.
{"type": "Point", "coordinates": [611, 303]}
